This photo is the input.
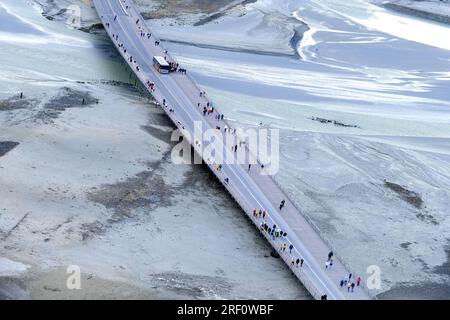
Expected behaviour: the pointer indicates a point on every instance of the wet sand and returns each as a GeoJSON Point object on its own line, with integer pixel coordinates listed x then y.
{"type": "Point", "coordinates": [175, 8]}
{"type": "Point", "coordinates": [7, 146]}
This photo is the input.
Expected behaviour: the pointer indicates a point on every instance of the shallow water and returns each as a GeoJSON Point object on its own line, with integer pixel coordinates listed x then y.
{"type": "Point", "coordinates": [13, 24]}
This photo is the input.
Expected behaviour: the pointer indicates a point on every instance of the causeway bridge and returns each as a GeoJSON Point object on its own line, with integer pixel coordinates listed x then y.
{"type": "Point", "coordinates": [184, 101]}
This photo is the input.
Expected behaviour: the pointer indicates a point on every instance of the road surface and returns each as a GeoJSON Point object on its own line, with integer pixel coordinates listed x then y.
{"type": "Point", "coordinates": [179, 96]}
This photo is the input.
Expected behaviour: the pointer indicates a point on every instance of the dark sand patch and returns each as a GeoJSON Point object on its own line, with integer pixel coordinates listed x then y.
{"type": "Point", "coordinates": [158, 133]}
{"type": "Point", "coordinates": [405, 245]}
{"type": "Point", "coordinates": [335, 122]}
{"type": "Point", "coordinates": [445, 267]}
{"type": "Point", "coordinates": [96, 28]}
{"type": "Point", "coordinates": [89, 230]}
{"type": "Point", "coordinates": [426, 291]}
{"type": "Point", "coordinates": [411, 197]}
{"type": "Point", "coordinates": [51, 11]}
{"type": "Point", "coordinates": [426, 217]}
{"type": "Point", "coordinates": [66, 98]}
{"type": "Point", "coordinates": [221, 13]}
{"type": "Point", "coordinates": [146, 189]}
{"type": "Point", "coordinates": [13, 289]}
{"type": "Point", "coordinates": [161, 119]}
{"type": "Point", "coordinates": [176, 8]}
{"type": "Point", "coordinates": [120, 84]}
{"type": "Point", "coordinates": [193, 286]}
{"type": "Point", "coordinates": [109, 50]}
{"type": "Point", "coordinates": [7, 146]}
{"type": "Point", "coordinates": [15, 103]}
{"type": "Point", "coordinates": [414, 199]}
{"type": "Point", "coordinates": [441, 18]}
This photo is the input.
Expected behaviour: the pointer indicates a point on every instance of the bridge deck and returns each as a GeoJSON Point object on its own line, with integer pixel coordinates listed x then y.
{"type": "Point", "coordinates": [251, 189]}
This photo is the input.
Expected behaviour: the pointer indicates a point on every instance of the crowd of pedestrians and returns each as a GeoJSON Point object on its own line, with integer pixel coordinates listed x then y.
{"type": "Point", "coordinates": [350, 282]}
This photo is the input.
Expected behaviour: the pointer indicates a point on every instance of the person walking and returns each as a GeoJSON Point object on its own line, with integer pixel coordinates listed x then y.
{"type": "Point", "coordinates": [301, 262]}
{"type": "Point", "coordinates": [282, 204]}
{"type": "Point", "coordinates": [290, 248]}
{"type": "Point", "coordinates": [358, 281]}
{"type": "Point", "coordinates": [330, 255]}
{"type": "Point", "coordinates": [279, 232]}
{"type": "Point", "coordinates": [353, 286]}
